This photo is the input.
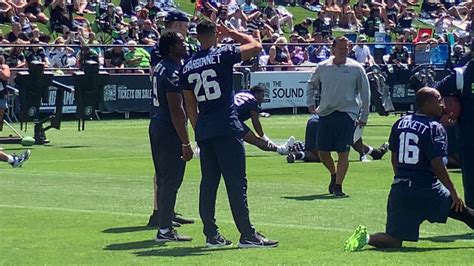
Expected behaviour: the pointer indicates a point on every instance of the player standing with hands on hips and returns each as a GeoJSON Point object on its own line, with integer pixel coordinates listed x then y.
{"type": "Point", "coordinates": [206, 80]}
{"type": "Point", "coordinates": [344, 97]}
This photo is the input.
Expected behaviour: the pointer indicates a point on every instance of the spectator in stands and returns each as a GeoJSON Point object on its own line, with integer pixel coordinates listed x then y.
{"type": "Point", "coordinates": [428, 7]}
{"type": "Point", "coordinates": [6, 12]}
{"type": "Point", "coordinates": [142, 15]}
{"type": "Point", "coordinates": [148, 35]}
{"type": "Point", "coordinates": [14, 34]}
{"type": "Point", "coordinates": [275, 19]}
{"type": "Point", "coordinates": [362, 51]}
{"type": "Point", "coordinates": [109, 19]}
{"type": "Point", "coordinates": [361, 10]}
{"type": "Point", "coordinates": [26, 26]}
{"type": "Point", "coordinates": [400, 54]}
{"type": "Point", "coordinates": [458, 54]}
{"type": "Point", "coordinates": [348, 20]}
{"type": "Point", "coordinates": [323, 24]}
{"type": "Point", "coordinates": [248, 7]}
{"type": "Point", "coordinates": [279, 54]}
{"type": "Point", "coordinates": [302, 29]}
{"type": "Point", "coordinates": [134, 34]}
{"type": "Point", "coordinates": [36, 53]}
{"type": "Point", "coordinates": [255, 22]}
{"type": "Point", "coordinates": [319, 51]}
{"type": "Point", "coordinates": [297, 53]}
{"type": "Point", "coordinates": [443, 24]}
{"type": "Point", "coordinates": [238, 20]}
{"type": "Point", "coordinates": [115, 56]}
{"type": "Point", "coordinates": [405, 18]}
{"type": "Point", "coordinates": [152, 9]}
{"type": "Point", "coordinates": [86, 54]}
{"type": "Point", "coordinates": [34, 11]}
{"type": "Point", "coordinates": [61, 56]}
{"type": "Point", "coordinates": [18, 6]}
{"type": "Point", "coordinates": [373, 22]}
{"type": "Point", "coordinates": [137, 57]}
{"type": "Point", "coordinates": [391, 12]}
{"type": "Point", "coordinates": [80, 7]}
{"type": "Point", "coordinates": [15, 56]}
{"type": "Point", "coordinates": [62, 16]}
{"type": "Point", "coordinates": [332, 9]}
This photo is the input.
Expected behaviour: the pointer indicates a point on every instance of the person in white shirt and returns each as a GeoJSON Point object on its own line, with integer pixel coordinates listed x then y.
{"type": "Point", "coordinates": [362, 51]}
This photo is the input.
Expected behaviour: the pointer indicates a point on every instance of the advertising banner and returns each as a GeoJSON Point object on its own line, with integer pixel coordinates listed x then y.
{"type": "Point", "coordinates": [284, 88]}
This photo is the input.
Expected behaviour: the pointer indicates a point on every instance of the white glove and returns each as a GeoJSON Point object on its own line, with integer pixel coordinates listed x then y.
{"type": "Point", "coordinates": [197, 151]}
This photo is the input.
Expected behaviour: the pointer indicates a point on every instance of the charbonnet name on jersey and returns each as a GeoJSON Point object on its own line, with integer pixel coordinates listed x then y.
{"type": "Point", "coordinates": [210, 59]}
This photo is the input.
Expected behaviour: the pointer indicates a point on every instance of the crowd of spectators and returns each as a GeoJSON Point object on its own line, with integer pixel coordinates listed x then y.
{"type": "Point", "coordinates": [134, 27]}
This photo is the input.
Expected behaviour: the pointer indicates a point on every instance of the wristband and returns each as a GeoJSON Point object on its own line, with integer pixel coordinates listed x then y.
{"type": "Point", "coordinates": [186, 145]}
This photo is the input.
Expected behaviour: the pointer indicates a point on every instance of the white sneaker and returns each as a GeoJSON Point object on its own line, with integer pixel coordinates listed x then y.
{"type": "Point", "coordinates": [18, 160]}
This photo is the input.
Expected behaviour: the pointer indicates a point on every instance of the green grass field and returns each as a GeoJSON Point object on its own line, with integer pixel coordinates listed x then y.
{"type": "Point", "coordinates": [85, 198]}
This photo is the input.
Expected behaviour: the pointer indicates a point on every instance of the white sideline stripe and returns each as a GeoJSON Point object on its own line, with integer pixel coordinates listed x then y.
{"type": "Point", "coordinates": [292, 226]}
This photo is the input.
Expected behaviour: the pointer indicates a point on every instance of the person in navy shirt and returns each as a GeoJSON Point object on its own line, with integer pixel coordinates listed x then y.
{"type": "Point", "coordinates": [206, 80]}
{"type": "Point", "coordinates": [421, 190]}
{"type": "Point", "coordinates": [169, 139]}
{"type": "Point", "coordinates": [248, 107]}
{"type": "Point", "coordinates": [461, 84]}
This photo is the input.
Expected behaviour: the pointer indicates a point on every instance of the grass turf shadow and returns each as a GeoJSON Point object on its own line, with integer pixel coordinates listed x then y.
{"type": "Point", "coordinates": [181, 251]}
{"type": "Point", "coordinates": [449, 238]}
{"type": "Point", "coordinates": [134, 245]}
{"type": "Point", "coordinates": [129, 229]}
{"type": "Point", "coordinates": [326, 196]}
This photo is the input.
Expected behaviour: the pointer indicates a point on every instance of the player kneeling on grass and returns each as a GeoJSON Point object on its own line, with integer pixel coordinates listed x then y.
{"type": "Point", "coordinates": [248, 107]}
{"type": "Point", "coordinates": [422, 189]}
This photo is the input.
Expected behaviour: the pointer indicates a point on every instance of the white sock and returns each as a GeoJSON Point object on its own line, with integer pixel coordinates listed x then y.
{"type": "Point", "coordinates": [10, 159]}
{"type": "Point", "coordinates": [281, 149]}
{"type": "Point", "coordinates": [164, 231]}
{"type": "Point", "coordinates": [370, 150]}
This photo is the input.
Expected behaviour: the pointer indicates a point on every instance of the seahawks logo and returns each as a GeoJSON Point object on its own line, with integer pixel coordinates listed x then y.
{"type": "Point", "coordinates": [88, 110]}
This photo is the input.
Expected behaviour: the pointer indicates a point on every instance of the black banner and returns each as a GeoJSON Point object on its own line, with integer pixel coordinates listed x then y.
{"type": "Point", "coordinates": [123, 93]}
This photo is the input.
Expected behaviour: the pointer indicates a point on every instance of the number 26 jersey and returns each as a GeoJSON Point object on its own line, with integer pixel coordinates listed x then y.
{"type": "Point", "coordinates": [417, 139]}
{"type": "Point", "coordinates": [208, 74]}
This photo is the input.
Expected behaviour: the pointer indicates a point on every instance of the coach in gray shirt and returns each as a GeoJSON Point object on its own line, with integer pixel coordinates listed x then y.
{"type": "Point", "coordinates": [343, 90]}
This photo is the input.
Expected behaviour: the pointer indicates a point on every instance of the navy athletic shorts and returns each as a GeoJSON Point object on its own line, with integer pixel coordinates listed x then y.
{"type": "Point", "coordinates": [410, 204]}
{"type": "Point", "coordinates": [335, 132]}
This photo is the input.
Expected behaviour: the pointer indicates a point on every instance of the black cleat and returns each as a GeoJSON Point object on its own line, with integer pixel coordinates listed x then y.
{"type": "Point", "coordinates": [182, 220]}
{"type": "Point", "coordinates": [332, 184]}
{"type": "Point", "coordinates": [171, 235]}
{"type": "Point", "coordinates": [291, 157]}
{"type": "Point", "coordinates": [257, 241]}
{"type": "Point", "coordinates": [217, 241]}
{"type": "Point", "coordinates": [338, 191]}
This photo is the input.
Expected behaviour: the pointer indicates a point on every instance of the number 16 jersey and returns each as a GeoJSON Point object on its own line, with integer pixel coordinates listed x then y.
{"type": "Point", "coordinates": [208, 74]}
{"type": "Point", "coordinates": [417, 139]}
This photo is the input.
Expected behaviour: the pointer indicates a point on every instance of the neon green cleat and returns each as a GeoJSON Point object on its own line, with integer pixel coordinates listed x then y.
{"type": "Point", "coordinates": [357, 240]}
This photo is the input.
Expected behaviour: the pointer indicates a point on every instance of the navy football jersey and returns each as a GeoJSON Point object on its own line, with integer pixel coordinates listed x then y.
{"type": "Point", "coordinates": [208, 74]}
{"type": "Point", "coordinates": [246, 103]}
{"type": "Point", "coordinates": [417, 139]}
{"type": "Point", "coordinates": [165, 79]}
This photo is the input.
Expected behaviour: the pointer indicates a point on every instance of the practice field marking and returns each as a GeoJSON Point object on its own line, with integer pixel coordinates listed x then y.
{"type": "Point", "coordinates": [289, 226]}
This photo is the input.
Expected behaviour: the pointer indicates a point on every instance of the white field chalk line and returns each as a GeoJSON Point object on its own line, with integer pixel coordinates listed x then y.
{"type": "Point", "coordinates": [292, 226]}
